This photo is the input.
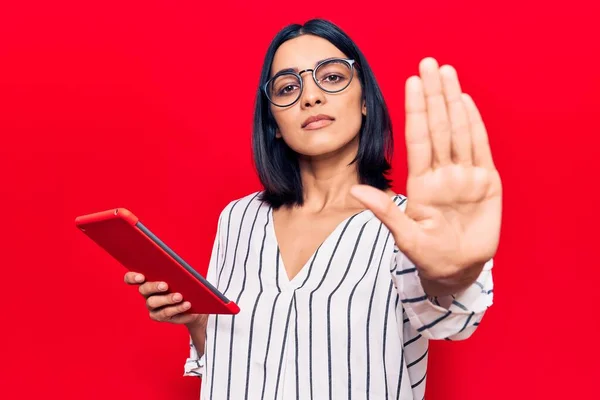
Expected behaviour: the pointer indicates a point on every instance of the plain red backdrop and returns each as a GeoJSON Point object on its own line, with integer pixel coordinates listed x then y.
{"type": "Point", "coordinates": [148, 105]}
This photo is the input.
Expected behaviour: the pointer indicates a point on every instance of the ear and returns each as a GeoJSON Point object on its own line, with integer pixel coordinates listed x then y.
{"type": "Point", "coordinates": [277, 134]}
{"type": "Point", "coordinates": [364, 108]}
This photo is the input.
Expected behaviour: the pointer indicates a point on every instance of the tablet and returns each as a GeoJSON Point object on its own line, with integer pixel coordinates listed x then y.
{"type": "Point", "coordinates": [120, 233]}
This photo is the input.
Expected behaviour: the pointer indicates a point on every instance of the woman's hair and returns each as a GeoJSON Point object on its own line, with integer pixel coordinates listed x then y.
{"type": "Point", "coordinates": [277, 164]}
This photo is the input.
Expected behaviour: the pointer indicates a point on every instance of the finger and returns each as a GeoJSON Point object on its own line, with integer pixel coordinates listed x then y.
{"type": "Point", "coordinates": [182, 318]}
{"type": "Point", "coordinates": [166, 313]}
{"type": "Point", "coordinates": [400, 225]}
{"type": "Point", "coordinates": [437, 116]}
{"type": "Point", "coordinates": [418, 142]}
{"type": "Point", "coordinates": [150, 288]}
{"type": "Point", "coordinates": [157, 301]}
{"type": "Point", "coordinates": [460, 138]}
{"type": "Point", "coordinates": [482, 154]}
{"type": "Point", "coordinates": [133, 278]}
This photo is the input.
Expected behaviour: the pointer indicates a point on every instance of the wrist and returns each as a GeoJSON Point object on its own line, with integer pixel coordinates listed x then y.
{"type": "Point", "coordinates": [197, 323]}
{"type": "Point", "coordinates": [448, 285]}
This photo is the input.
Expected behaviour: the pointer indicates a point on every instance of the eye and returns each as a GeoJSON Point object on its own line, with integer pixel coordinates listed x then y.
{"type": "Point", "coordinates": [333, 78]}
{"type": "Point", "coordinates": [287, 90]}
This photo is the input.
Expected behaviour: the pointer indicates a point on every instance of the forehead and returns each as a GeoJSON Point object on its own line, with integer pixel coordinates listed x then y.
{"type": "Point", "coordinates": [303, 52]}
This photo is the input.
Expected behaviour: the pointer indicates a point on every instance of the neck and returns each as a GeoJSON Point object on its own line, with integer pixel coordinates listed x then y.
{"type": "Point", "coordinates": [327, 179]}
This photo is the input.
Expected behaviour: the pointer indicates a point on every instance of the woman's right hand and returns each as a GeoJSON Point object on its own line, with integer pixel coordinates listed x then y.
{"type": "Point", "coordinates": [164, 306]}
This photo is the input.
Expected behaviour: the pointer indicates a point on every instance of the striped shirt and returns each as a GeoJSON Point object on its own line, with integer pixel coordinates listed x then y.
{"type": "Point", "coordinates": [354, 323]}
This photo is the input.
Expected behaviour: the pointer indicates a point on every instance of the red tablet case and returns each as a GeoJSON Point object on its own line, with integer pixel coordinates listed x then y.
{"type": "Point", "coordinates": [119, 232]}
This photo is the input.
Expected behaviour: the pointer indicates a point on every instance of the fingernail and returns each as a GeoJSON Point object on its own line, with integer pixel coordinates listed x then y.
{"type": "Point", "coordinates": [162, 286]}
{"type": "Point", "coordinates": [186, 305]}
{"type": "Point", "coordinates": [139, 278]}
{"type": "Point", "coordinates": [176, 297]}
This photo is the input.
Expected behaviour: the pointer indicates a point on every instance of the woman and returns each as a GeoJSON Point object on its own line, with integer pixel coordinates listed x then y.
{"type": "Point", "coordinates": [341, 282]}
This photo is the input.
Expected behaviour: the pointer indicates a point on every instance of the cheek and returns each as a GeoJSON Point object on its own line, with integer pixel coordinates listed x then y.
{"type": "Point", "coordinates": [352, 117]}
{"type": "Point", "coordinates": [285, 119]}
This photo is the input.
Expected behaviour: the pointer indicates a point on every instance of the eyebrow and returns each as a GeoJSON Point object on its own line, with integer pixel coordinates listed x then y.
{"type": "Point", "coordinates": [295, 69]}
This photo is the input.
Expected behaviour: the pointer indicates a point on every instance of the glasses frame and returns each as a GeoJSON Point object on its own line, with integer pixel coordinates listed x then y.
{"type": "Point", "coordinates": [351, 63]}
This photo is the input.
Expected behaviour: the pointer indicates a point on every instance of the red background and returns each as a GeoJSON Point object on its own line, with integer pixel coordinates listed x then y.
{"type": "Point", "coordinates": [129, 104]}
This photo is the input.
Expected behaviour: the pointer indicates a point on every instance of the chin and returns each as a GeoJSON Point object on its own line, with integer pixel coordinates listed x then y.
{"type": "Point", "coordinates": [323, 145]}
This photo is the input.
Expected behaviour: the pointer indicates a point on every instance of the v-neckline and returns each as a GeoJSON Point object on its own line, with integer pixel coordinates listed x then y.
{"type": "Point", "coordinates": [304, 270]}
{"type": "Point", "coordinates": [282, 271]}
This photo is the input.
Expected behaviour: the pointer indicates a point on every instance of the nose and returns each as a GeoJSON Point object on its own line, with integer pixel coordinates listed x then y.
{"type": "Point", "coordinates": [311, 93]}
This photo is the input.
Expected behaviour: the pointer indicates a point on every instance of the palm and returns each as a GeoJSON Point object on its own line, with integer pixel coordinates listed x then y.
{"type": "Point", "coordinates": [453, 214]}
{"type": "Point", "coordinates": [457, 209]}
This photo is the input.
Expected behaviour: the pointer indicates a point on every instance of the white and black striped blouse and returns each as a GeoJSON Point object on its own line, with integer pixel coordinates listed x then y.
{"type": "Point", "coordinates": [354, 323]}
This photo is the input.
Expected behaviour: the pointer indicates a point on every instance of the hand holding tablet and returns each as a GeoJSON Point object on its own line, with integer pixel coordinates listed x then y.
{"type": "Point", "coordinates": [121, 234]}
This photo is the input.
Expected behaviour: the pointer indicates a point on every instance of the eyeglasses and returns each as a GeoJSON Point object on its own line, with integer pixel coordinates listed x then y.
{"type": "Point", "coordinates": [331, 75]}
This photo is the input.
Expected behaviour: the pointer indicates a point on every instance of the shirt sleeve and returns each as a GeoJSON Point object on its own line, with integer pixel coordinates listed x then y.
{"type": "Point", "coordinates": [453, 317]}
{"type": "Point", "coordinates": [194, 364]}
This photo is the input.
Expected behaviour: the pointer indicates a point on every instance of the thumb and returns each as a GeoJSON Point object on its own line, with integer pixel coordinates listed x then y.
{"type": "Point", "coordinates": [403, 228]}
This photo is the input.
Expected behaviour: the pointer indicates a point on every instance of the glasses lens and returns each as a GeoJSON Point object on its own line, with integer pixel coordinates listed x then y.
{"type": "Point", "coordinates": [334, 75]}
{"type": "Point", "coordinates": [284, 89]}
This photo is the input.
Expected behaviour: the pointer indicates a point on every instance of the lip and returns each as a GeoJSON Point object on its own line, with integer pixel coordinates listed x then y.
{"type": "Point", "coordinates": [317, 118]}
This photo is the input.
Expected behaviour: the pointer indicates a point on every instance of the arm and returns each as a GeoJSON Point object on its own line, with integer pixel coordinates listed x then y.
{"type": "Point", "coordinates": [450, 227]}
{"type": "Point", "coordinates": [194, 365]}
{"type": "Point", "coordinates": [197, 332]}
{"type": "Point", "coordinates": [455, 316]}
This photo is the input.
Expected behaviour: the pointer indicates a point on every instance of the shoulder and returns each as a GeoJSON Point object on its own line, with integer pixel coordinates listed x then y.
{"type": "Point", "coordinates": [237, 207]}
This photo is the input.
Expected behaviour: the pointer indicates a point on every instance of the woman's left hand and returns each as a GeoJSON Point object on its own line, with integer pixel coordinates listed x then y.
{"type": "Point", "coordinates": [451, 226]}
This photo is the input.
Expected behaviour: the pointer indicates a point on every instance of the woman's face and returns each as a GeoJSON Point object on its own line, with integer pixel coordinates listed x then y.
{"type": "Point", "coordinates": [343, 111]}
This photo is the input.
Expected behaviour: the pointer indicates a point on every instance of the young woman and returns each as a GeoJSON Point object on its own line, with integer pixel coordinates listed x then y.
{"type": "Point", "coordinates": [341, 282]}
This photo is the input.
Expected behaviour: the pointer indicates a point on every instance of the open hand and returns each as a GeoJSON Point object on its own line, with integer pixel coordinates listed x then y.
{"type": "Point", "coordinates": [451, 225]}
